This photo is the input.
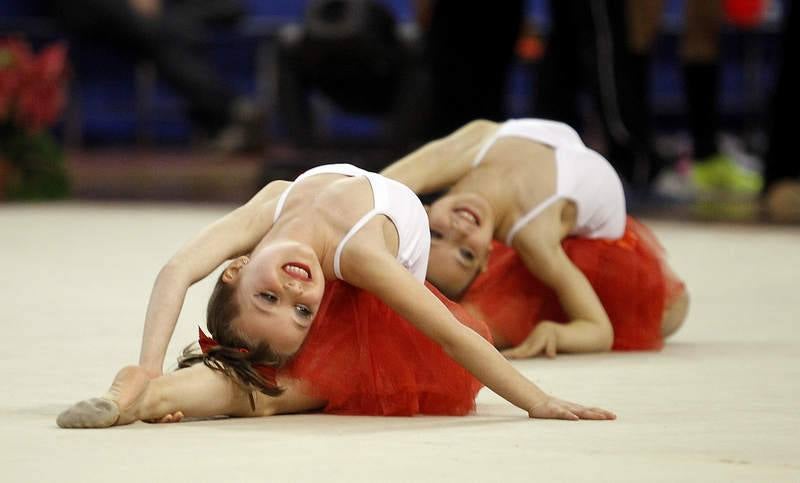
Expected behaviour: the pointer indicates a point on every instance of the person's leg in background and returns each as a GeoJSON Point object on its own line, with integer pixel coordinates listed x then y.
{"type": "Point", "coordinates": [471, 47]}
{"type": "Point", "coordinates": [182, 65]}
{"type": "Point", "coordinates": [782, 168]}
{"type": "Point", "coordinates": [145, 30]}
{"type": "Point", "coordinates": [559, 75]}
{"type": "Point", "coordinates": [293, 86]}
{"type": "Point", "coordinates": [588, 49]}
{"type": "Point", "coordinates": [608, 57]}
{"type": "Point", "coordinates": [643, 27]}
{"type": "Point", "coordinates": [179, 52]}
{"type": "Point", "coordinates": [712, 170]}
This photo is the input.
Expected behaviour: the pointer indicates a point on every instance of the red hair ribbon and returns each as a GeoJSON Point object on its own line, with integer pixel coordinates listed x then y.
{"type": "Point", "coordinates": [207, 343]}
{"type": "Point", "coordinates": [268, 373]}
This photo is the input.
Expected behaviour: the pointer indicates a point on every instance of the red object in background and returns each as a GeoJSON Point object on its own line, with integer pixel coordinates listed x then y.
{"type": "Point", "coordinates": [14, 54]}
{"type": "Point", "coordinates": [529, 48]}
{"type": "Point", "coordinates": [745, 13]}
{"type": "Point", "coordinates": [31, 86]}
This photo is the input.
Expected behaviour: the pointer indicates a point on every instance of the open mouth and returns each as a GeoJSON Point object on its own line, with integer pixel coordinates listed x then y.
{"type": "Point", "coordinates": [298, 271]}
{"type": "Point", "coordinates": [468, 215]}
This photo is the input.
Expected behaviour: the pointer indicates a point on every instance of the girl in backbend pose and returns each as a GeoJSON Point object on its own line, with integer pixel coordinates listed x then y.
{"type": "Point", "coordinates": [568, 271]}
{"type": "Point", "coordinates": [333, 222]}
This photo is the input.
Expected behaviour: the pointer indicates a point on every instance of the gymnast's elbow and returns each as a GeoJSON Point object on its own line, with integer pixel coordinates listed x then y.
{"type": "Point", "coordinates": [172, 267]}
{"type": "Point", "coordinates": [460, 344]}
{"type": "Point", "coordinates": [605, 339]}
{"type": "Point", "coordinates": [173, 271]}
{"type": "Point", "coordinates": [607, 343]}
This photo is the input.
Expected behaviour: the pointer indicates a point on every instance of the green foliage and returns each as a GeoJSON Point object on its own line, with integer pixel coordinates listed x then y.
{"type": "Point", "coordinates": [37, 165]}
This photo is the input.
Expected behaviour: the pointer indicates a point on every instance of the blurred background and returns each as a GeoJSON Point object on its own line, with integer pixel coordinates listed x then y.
{"type": "Point", "coordinates": [206, 100]}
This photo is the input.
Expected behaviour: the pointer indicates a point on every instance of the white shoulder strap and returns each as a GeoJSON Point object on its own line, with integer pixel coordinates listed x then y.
{"type": "Point", "coordinates": [338, 254]}
{"type": "Point", "coordinates": [484, 149]}
{"type": "Point", "coordinates": [525, 219]}
{"type": "Point", "coordinates": [281, 202]}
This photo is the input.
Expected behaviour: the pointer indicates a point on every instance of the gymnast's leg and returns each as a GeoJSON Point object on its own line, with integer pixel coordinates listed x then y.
{"type": "Point", "coordinates": [196, 392]}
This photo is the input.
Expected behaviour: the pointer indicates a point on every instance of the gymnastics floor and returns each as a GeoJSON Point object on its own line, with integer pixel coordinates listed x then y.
{"type": "Point", "coordinates": [719, 403]}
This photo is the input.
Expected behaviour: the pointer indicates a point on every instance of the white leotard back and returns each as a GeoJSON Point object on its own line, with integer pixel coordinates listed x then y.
{"type": "Point", "coordinates": [582, 175]}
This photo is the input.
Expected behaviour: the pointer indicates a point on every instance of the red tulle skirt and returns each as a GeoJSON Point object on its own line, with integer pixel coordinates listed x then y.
{"type": "Point", "coordinates": [363, 358]}
{"type": "Point", "coordinates": [629, 275]}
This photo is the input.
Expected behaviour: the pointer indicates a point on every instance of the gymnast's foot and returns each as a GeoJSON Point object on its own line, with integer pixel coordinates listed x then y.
{"type": "Point", "coordinates": [117, 407]}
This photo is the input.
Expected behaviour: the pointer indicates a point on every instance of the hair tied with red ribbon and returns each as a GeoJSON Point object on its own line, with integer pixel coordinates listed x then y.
{"type": "Point", "coordinates": [268, 373]}
{"type": "Point", "coordinates": [207, 343]}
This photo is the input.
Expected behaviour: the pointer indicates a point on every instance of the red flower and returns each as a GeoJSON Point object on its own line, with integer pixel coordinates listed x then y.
{"type": "Point", "coordinates": [41, 97]}
{"type": "Point", "coordinates": [8, 86]}
{"type": "Point", "coordinates": [15, 55]}
{"type": "Point", "coordinates": [745, 13]}
{"type": "Point", "coordinates": [31, 86]}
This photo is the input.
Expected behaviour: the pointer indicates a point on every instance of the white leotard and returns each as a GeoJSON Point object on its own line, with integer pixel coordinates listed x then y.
{"type": "Point", "coordinates": [582, 176]}
{"type": "Point", "coordinates": [391, 199]}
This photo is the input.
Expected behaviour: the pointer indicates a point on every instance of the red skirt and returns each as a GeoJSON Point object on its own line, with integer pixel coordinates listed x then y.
{"type": "Point", "coordinates": [363, 358]}
{"type": "Point", "coordinates": [629, 275]}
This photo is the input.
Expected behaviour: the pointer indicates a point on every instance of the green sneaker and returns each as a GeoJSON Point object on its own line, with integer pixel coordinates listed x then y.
{"type": "Point", "coordinates": [720, 174]}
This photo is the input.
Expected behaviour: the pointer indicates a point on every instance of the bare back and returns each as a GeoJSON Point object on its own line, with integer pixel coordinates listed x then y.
{"type": "Point", "coordinates": [516, 175]}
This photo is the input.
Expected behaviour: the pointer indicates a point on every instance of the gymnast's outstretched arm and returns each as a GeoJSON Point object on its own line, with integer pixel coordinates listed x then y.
{"type": "Point", "coordinates": [232, 235]}
{"type": "Point", "coordinates": [378, 272]}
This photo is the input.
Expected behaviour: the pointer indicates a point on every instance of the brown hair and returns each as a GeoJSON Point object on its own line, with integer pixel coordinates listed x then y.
{"type": "Point", "coordinates": [227, 357]}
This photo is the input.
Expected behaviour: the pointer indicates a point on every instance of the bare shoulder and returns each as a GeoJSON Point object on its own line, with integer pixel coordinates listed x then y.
{"type": "Point", "coordinates": [259, 211]}
{"type": "Point", "coordinates": [441, 163]}
{"type": "Point", "coordinates": [480, 127]}
{"type": "Point", "coordinates": [471, 137]}
{"type": "Point", "coordinates": [270, 192]}
{"type": "Point", "coordinates": [456, 153]}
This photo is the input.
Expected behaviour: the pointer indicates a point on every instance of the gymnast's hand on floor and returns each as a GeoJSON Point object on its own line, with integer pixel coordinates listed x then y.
{"type": "Point", "coordinates": [175, 417]}
{"type": "Point", "coordinates": [543, 339]}
{"type": "Point", "coordinates": [554, 408]}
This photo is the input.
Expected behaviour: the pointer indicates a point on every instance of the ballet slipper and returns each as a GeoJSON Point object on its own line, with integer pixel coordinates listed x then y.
{"type": "Point", "coordinates": [117, 407]}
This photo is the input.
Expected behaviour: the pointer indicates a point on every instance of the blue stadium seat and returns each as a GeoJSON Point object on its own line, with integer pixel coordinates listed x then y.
{"type": "Point", "coordinates": [289, 9]}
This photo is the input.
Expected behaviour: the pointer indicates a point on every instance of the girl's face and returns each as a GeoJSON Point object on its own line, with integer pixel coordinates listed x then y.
{"type": "Point", "coordinates": [461, 236]}
{"type": "Point", "coordinates": [279, 291]}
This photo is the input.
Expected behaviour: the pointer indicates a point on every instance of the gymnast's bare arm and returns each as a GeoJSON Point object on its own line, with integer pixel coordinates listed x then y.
{"type": "Point", "coordinates": [589, 330]}
{"type": "Point", "coordinates": [441, 163]}
{"type": "Point", "coordinates": [379, 273]}
{"type": "Point", "coordinates": [232, 235]}
{"type": "Point", "coordinates": [196, 392]}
